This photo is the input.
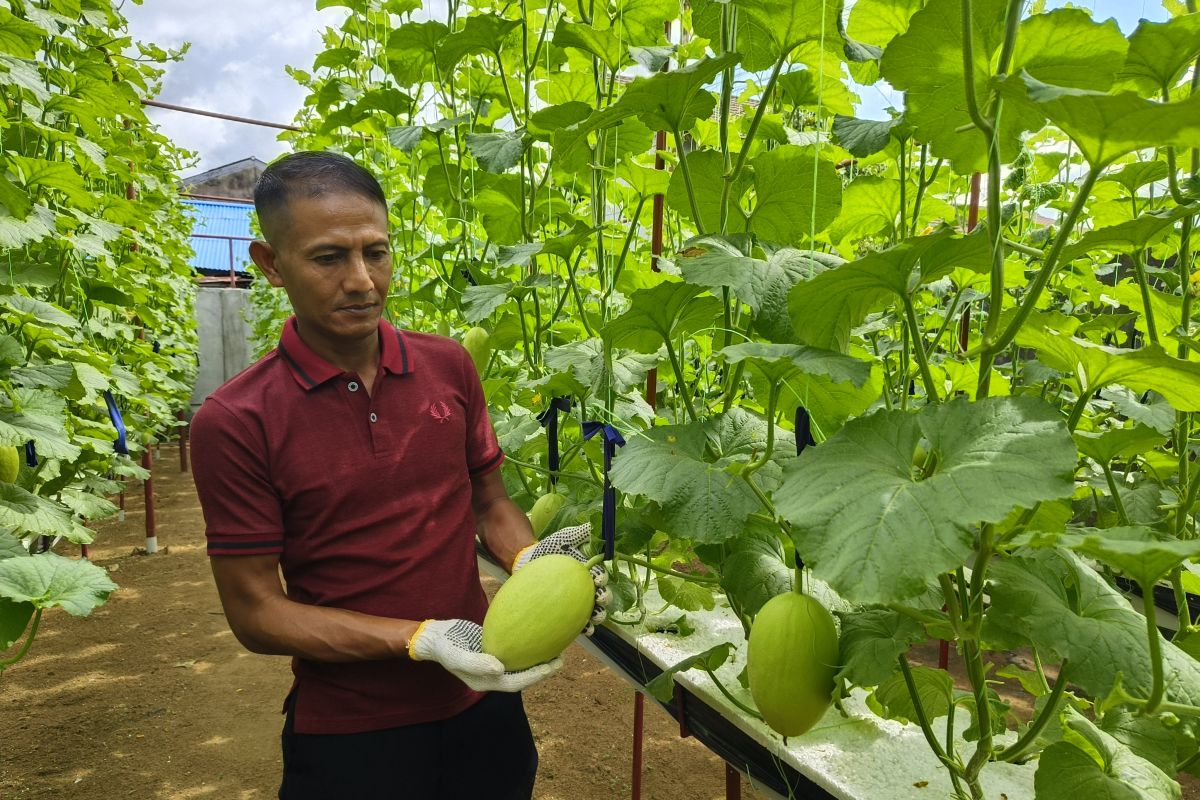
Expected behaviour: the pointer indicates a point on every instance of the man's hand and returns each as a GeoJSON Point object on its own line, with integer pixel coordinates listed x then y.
{"type": "Point", "coordinates": [456, 644]}
{"type": "Point", "coordinates": [569, 542]}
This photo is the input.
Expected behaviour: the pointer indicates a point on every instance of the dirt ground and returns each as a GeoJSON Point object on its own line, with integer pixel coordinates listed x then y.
{"type": "Point", "coordinates": [152, 697]}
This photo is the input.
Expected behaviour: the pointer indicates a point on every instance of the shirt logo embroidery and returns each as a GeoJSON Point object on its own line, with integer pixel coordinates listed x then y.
{"type": "Point", "coordinates": [439, 411]}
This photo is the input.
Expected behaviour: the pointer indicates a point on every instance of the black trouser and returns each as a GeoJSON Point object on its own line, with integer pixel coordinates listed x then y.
{"type": "Point", "coordinates": [486, 751]}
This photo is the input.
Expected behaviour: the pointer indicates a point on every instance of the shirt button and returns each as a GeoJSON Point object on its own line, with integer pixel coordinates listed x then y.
{"type": "Point", "coordinates": [352, 386]}
{"type": "Point", "coordinates": [374, 418]}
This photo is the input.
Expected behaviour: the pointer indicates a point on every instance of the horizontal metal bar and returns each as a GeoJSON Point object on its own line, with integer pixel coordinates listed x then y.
{"type": "Point", "coordinates": [216, 115]}
{"type": "Point", "coordinates": [221, 198]}
{"type": "Point", "coordinates": [215, 236]}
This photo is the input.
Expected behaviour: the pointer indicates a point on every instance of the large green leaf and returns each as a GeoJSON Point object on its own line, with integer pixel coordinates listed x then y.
{"type": "Point", "coordinates": [700, 501]}
{"type": "Point", "coordinates": [13, 619]}
{"type": "Point", "coordinates": [1108, 126]}
{"type": "Point", "coordinates": [1067, 610]}
{"type": "Point", "coordinates": [481, 33]}
{"type": "Point", "coordinates": [754, 570]}
{"type": "Point", "coordinates": [892, 699]}
{"type": "Point", "coordinates": [1064, 46]}
{"type": "Point", "coordinates": [716, 263]}
{"type": "Point", "coordinates": [1159, 52]}
{"type": "Point", "coordinates": [1135, 551]}
{"type": "Point", "coordinates": [707, 168]}
{"type": "Point", "coordinates": [878, 530]}
{"type": "Point", "coordinates": [497, 152]}
{"type": "Point", "coordinates": [796, 194]}
{"type": "Point", "coordinates": [597, 370]}
{"type": "Point", "coordinates": [870, 207]}
{"type": "Point", "coordinates": [661, 314]}
{"type": "Point", "coordinates": [779, 362]}
{"type": "Point", "coordinates": [1118, 442]}
{"type": "Point", "coordinates": [1097, 366]}
{"type": "Point", "coordinates": [877, 22]}
{"type": "Point", "coordinates": [48, 580]}
{"type": "Point", "coordinates": [29, 514]}
{"type": "Point", "coordinates": [870, 642]}
{"type": "Point", "coordinates": [825, 308]}
{"type": "Point", "coordinates": [42, 418]}
{"type": "Point", "coordinates": [777, 27]}
{"type": "Point", "coordinates": [603, 43]}
{"type": "Point", "coordinates": [864, 137]}
{"type": "Point", "coordinates": [1091, 763]}
{"type": "Point", "coordinates": [1129, 237]}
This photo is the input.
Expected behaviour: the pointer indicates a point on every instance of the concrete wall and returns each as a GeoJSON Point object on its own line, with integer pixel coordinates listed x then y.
{"type": "Point", "coordinates": [225, 346]}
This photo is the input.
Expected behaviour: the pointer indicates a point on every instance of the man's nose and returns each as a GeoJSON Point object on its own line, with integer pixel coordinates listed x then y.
{"type": "Point", "coordinates": [358, 275]}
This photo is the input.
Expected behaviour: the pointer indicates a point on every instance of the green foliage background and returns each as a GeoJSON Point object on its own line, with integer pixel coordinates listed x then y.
{"type": "Point", "coordinates": [96, 292]}
{"type": "Point", "coordinates": [996, 409]}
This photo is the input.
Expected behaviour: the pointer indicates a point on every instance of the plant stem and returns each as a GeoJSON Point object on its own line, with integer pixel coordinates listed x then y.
{"type": "Point", "coordinates": [740, 705]}
{"type": "Point", "coordinates": [1182, 612]}
{"type": "Point", "coordinates": [1139, 268]}
{"type": "Point", "coordinates": [769, 450]}
{"type": "Point", "coordinates": [923, 721]}
{"type": "Point", "coordinates": [687, 180]}
{"type": "Point", "coordinates": [1020, 747]}
{"type": "Point", "coordinates": [641, 562]}
{"type": "Point", "coordinates": [544, 471]}
{"type": "Point", "coordinates": [1158, 687]}
{"type": "Point", "coordinates": [1116, 494]}
{"type": "Point", "coordinates": [33, 629]}
{"type": "Point", "coordinates": [1077, 410]}
{"type": "Point", "coordinates": [681, 382]}
{"type": "Point", "coordinates": [1033, 294]}
{"type": "Point", "coordinates": [918, 349]}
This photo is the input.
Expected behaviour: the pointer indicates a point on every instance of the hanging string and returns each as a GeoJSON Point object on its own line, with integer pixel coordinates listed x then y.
{"type": "Point", "coordinates": [812, 221]}
{"type": "Point", "coordinates": [114, 414]}
{"type": "Point", "coordinates": [549, 420]}
{"type": "Point", "coordinates": [612, 440]}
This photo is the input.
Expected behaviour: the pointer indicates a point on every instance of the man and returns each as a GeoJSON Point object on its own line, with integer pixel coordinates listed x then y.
{"type": "Point", "coordinates": [360, 460]}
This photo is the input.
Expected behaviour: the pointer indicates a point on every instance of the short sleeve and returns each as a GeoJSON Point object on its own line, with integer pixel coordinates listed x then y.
{"type": "Point", "coordinates": [242, 511]}
{"type": "Point", "coordinates": [483, 449]}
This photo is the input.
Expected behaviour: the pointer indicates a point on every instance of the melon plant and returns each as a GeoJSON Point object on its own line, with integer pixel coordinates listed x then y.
{"type": "Point", "coordinates": [791, 661]}
{"type": "Point", "coordinates": [975, 315]}
{"type": "Point", "coordinates": [539, 611]}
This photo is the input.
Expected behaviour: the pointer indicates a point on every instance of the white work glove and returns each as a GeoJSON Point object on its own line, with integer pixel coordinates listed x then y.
{"type": "Point", "coordinates": [569, 542]}
{"type": "Point", "coordinates": [457, 644]}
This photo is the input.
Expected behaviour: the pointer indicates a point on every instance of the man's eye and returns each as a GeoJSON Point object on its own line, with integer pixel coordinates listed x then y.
{"type": "Point", "coordinates": [379, 255]}
{"type": "Point", "coordinates": [327, 258]}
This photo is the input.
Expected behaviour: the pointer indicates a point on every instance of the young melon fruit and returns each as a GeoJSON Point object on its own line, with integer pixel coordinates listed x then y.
{"type": "Point", "coordinates": [10, 464]}
{"type": "Point", "coordinates": [538, 612]}
{"type": "Point", "coordinates": [791, 662]}
{"type": "Point", "coordinates": [478, 344]}
{"type": "Point", "coordinates": [545, 510]}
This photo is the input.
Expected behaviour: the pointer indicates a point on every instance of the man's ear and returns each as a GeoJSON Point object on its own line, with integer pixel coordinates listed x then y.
{"type": "Point", "coordinates": [264, 256]}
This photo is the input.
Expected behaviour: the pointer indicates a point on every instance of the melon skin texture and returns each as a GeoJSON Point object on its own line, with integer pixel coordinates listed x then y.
{"type": "Point", "coordinates": [538, 612]}
{"type": "Point", "coordinates": [792, 659]}
{"type": "Point", "coordinates": [545, 510]}
{"type": "Point", "coordinates": [478, 343]}
{"type": "Point", "coordinates": [10, 464]}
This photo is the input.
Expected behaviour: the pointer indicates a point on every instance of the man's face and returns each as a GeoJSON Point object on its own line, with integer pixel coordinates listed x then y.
{"type": "Point", "coordinates": [330, 253]}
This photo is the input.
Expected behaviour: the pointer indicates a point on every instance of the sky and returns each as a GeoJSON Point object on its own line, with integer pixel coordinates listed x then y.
{"type": "Point", "coordinates": [239, 49]}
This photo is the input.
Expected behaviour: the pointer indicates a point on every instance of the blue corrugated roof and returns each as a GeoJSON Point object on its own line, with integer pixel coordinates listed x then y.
{"type": "Point", "coordinates": [217, 218]}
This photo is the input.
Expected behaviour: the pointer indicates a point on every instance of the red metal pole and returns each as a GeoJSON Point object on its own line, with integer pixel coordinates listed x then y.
{"type": "Point", "coordinates": [148, 485]}
{"type": "Point", "coordinates": [83, 551]}
{"type": "Point", "coordinates": [183, 442]}
{"type": "Point", "coordinates": [733, 783]}
{"type": "Point", "coordinates": [232, 274]}
{"type": "Point", "coordinates": [639, 708]}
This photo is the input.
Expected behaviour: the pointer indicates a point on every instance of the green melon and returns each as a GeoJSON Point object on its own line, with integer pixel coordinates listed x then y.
{"type": "Point", "coordinates": [791, 662]}
{"type": "Point", "coordinates": [478, 344]}
{"type": "Point", "coordinates": [10, 464]}
{"type": "Point", "coordinates": [538, 612]}
{"type": "Point", "coordinates": [545, 510]}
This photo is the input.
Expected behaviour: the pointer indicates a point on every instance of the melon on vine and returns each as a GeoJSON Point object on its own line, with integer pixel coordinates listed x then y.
{"type": "Point", "coordinates": [545, 510]}
{"type": "Point", "coordinates": [792, 658]}
{"type": "Point", "coordinates": [477, 341]}
{"type": "Point", "coordinates": [10, 464]}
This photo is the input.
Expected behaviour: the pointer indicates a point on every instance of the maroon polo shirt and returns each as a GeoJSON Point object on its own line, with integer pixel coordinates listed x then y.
{"type": "Point", "coordinates": [365, 498]}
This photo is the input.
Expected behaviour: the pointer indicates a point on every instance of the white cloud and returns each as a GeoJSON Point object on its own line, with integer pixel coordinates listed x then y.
{"type": "Point", "coordinates": [235, 66]}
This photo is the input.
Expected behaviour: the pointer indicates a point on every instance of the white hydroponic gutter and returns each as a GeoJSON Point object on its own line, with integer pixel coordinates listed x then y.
{"type": "Point", "coordinates": [859, 757]}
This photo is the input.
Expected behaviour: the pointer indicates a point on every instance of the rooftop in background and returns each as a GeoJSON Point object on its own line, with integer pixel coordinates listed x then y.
{"type": "Point", "coordinates": [235, 179]}
{"type": "Point", "coordinates": [220, 237]}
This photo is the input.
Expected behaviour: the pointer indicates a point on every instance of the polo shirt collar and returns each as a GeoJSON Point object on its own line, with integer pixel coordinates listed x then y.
{"type": "Point", "coordinates": [310, 370]}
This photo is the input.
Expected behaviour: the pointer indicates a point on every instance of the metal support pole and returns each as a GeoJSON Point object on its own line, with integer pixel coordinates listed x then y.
{"type": "Point", "coordinates": [733, 783]}
{"type": "Point", "coordinates": [232, 273]}
{"type": "Point", "coordinates": [639, 709]}
{"type": "Point", "coordinates": [148, 485]}
{"type": "Point", "coordinates": [183, 442]}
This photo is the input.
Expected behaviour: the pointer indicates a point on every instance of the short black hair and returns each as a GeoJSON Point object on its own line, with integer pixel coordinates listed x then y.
{"type": "Point", "coordinates": [309, 173]}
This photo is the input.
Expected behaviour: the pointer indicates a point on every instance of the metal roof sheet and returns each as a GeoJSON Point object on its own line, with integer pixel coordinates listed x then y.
{"type": "Point", "coordinates": [231, 221]}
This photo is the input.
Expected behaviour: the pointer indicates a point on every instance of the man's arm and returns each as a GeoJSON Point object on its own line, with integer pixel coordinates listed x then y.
{"type": "Point", "coordinates": [265, 621]}
{"type": "Point", "coordinates": [503, 527]}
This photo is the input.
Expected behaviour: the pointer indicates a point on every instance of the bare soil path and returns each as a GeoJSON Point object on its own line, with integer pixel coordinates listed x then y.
{"type": "Point", "coordinates": [152, 697]}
